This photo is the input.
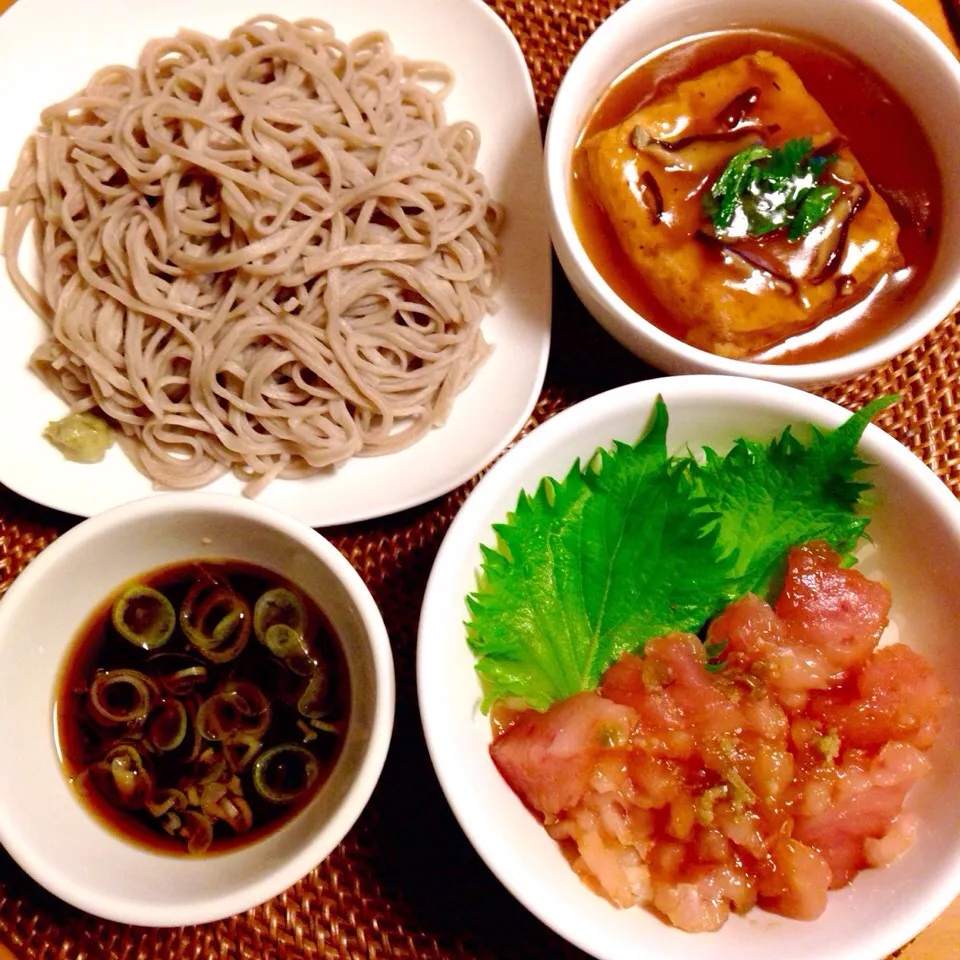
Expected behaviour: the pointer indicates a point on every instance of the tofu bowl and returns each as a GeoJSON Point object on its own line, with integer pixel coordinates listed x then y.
{"type": "Point", "coordinates": [760, 189]}
{"type": "Point", "coordinates": [120, 770]}
{"type": "Point", "coordinates": [914, 550]}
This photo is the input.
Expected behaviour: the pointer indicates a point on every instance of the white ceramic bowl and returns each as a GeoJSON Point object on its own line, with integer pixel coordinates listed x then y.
{"type": "Point", "coordinates": [916, 529]}
{"type": "Point", "coordinates": [882, 34]}
{"type": "Point", "coordinates": [42, 823]}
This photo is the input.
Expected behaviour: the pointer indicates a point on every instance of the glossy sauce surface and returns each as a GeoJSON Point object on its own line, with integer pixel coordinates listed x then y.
{"type": "Point", "coordinates": [882, 133]}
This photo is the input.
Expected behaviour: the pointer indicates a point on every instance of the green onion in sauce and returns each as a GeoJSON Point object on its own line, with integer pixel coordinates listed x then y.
{"type": "Point", "coordinates": [180, 733]}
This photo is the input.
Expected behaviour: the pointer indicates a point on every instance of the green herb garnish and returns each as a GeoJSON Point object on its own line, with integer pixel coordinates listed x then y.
{"type": "Point", "coordinates": [714, 652]}
{"type": "Point", "coordinates": [829, 746]}
{"type": "Point", "coordinates": [762, 189]}
{"type": "Point", "coordinates": [704, 804]}
{"type": "Point", "coordinates": [639, 543]}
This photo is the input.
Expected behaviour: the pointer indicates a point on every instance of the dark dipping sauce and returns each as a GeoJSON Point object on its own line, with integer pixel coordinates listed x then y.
{"type": "Point", "coordinates": [189, 755]}
{"type": "Point", "coordinates": [882, 132]}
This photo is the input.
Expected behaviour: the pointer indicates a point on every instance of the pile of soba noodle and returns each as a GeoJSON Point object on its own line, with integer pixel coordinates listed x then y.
{"type": "Point", "coordinates": [263, 254]}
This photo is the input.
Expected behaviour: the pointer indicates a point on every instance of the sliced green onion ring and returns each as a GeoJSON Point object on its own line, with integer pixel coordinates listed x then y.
{"type": "Point", "coordinates": [237, 812]}
{"type": "Point", "coordinates": [240, 708]}
{"type": "Point", "coordinates": [172, 823]}
{"type": "Point", "coordinates": [191, 706]}
{"type": "Point", "coordinates": [313, 701]}
{"type": "Point", "coordinates": [216, 719]}
{"type": "Point", "coordinates": [197, 830]}
{"type": "Point", "coordinates": [166, 801]}
{"type": "Point", "coordinates": [326, 726]}
{"type": "Point", "coordinates": [251, 701]}
{"type": "Point", "coordinates": [290, 646]}
{"type": "Point", "coordinates": [216, 621]}
{"type": "Point", "coordinates": [284, 641]}
{"type": "Point", "coordinates": [144, 616]}
{"type": "Point", "coordinates": [179, 673]}
{"type": "Point", "coordinates": [168, 725]}
{"type": "Point", "coordinates": [122, 696]}
{"type": "Point", "coordinates": [218, 803]}
{"type": "Point", "coordinates": [240, 750]}
{"type": "Point", "coordinates": [285, 773]}
{"type": "Point", "coordinates": [278, 607]}
{"type": "Point", "coordinates": [280, 623]}
{"type": "Point", "coordinates": [210, 799]}
{"type": "Point", "coordinates": [182, 682]}
{"type": "Point", "coordinates": [210, 766]}
{"type": "Point", "coordinates": [132, 782]}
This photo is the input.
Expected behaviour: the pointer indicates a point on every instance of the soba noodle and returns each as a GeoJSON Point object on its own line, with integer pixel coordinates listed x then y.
{"type": "Point", "coordinates": [263, 254]}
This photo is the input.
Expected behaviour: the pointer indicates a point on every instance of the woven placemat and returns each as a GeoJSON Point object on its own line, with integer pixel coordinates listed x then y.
{"type": "Point", "coordinates": [405, 883]}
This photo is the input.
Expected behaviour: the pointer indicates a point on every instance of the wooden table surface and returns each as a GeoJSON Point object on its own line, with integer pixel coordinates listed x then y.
{"type": "Point", "coordinates": [941, 940]}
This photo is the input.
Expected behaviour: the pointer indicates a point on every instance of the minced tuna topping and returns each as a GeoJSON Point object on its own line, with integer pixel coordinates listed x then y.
{"type": "Point", "coordinates": [765, 776]}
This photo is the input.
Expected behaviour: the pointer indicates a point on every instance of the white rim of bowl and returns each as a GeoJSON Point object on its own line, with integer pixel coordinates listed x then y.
{"type": "Point", "coordinates": [570, 250]}
{"type": "Point", "coordinates": [466, 531]}
{"type": "Point", "coordinates": [60, 882]}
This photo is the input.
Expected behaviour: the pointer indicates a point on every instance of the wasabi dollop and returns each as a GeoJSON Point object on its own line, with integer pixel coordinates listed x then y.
{"type": "Point", "coordinates": [82, 437]}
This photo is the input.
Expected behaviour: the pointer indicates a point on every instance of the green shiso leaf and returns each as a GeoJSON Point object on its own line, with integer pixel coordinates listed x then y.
{"type": "Point", "coordinates": [638, 543]}
{"type": "Point", "coordinates": [578, 574]}
{"type": "Point", "coordinates": [761, 190]}
{"type": "Point", "coordinates": [768, 497]}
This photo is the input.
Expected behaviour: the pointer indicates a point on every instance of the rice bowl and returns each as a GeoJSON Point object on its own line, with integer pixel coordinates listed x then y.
{"type": "Point", "coordinates": [916, 529]}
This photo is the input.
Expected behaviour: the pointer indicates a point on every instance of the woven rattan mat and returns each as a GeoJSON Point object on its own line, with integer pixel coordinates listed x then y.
{"type": "Point", "coordinates": [405, 883]}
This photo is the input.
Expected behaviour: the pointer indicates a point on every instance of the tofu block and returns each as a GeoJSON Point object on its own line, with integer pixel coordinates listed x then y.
{"type": "Point", "coordinates": [737, 296]}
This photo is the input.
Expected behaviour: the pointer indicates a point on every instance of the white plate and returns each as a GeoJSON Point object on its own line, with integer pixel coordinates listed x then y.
{"type": "Point", "coordinates": [49, 49]}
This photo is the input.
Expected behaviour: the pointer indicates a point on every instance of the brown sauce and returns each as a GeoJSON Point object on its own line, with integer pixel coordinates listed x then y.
{"type": "Point", "coordinates": [882, 132]}
{"type": "Point", "coordinates": [177, 670]}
